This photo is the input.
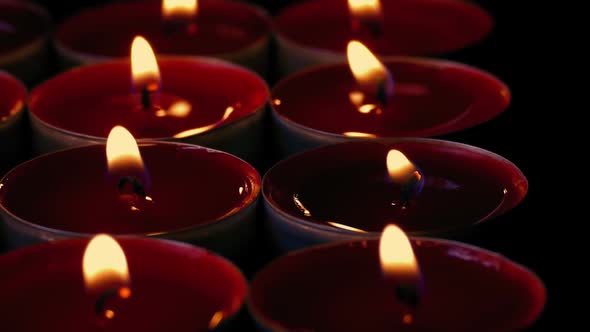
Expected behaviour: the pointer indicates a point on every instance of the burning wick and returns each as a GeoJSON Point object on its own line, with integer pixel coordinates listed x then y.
{"type": "Point", "coordinates": [178, 15]}
{"type": "Point", "coordinates": [146, 96]}
{"type": "Point", "coordinates": [131, 184]}
{"type": "Point", "coordinates": [124, 161]}
{"type": "Point", "coordinates": [399, 265]}
{"type": "Point", "coordinates": [372, 77]}
{"type": "Point", "coordinates": [100, 307]}
{"type": "Point", "coordinates": [104, 265]}
{"type": "Point", "coordinates": [144, 70]}
{"type": "Point", "coordinates": [403, 172]}
{"type": "Point", "coordinates": [366, 16]}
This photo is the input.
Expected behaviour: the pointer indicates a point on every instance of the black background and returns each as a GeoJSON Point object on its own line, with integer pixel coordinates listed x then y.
{"type": "Point", "coordinates": [520, 52]}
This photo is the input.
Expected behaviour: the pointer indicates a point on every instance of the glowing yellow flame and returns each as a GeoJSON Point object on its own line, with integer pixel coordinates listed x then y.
{"type": "Point", "coordinates": [400, 169]}
{"type": "Point", "coordinates": [397, 256]}
{"type": "Point", "coordinates": [144, 67]}
{"type": "Point", "coordinates": [365, 8]}
{"type": "Point", "coordinates": [358, 134]}
{"type": "Point", "coordinates": [195, 131]}
{"type": "Point", "coordinates": [346, 227]}
{"type": "Point", "coordinates": [368, 71]}
{"type": "Point", "coordinates": [179, 8]}
{"type": "Point", "coordinates": [122, 150]}
{"type": "Point", "coordinates": [104, 263]}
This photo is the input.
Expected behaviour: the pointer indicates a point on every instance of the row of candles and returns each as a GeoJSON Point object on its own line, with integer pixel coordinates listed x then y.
{"type": "Point", "coordinates": [374, 278]}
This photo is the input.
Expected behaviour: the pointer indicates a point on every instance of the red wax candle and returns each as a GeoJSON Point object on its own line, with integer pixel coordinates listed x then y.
{"type": "Point", "coordinates": [349, 184]}
{"type": "Point", "coordinates": [201, 101]}
{"type": "Point", "coordinates": [197, 195]}
{"type": "Point", "coordinates": [12, 103]}
{"type": "Point", "coordinates": [317, 31]}
{"type": "Point", "coordinates": [174, 287]}
{"type": "Point", "coordinates": [230, 30]}
{"type": "Point", "coordinates": [24, 33]}
{"type": "Point", "coordinates": [340, 287]}
{"type": "Point", "coordinates": [430, 97]}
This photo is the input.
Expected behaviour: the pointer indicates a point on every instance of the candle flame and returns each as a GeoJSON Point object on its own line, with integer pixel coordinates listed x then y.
{"type": "Point", "coordinates": [179, 8]}
{"type": "Point", "coordinates": [399, 167]}
{"type": "Point", "coordinates": [122, 150]}
{"type": "Point", "coordinates": [396, 254]}
{"type": "Point", "coordinates": [368, 71]}
{"type": "Point", "coordinates": [104, 263]}
{"type": "Point", "coordinates": [365, 8]}
{"type": "Point", "coordinates": [144, 67]}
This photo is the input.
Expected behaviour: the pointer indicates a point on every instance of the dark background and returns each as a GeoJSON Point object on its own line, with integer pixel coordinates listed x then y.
{"type": "Point", "coordinates": [519, 52]}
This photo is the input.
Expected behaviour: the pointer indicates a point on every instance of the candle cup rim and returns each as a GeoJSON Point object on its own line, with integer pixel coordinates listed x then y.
{"type": "Point", "coordinates": [281, 36]}
{"type": "Point", "coordinates": [161, 58]}
{"type": "Point", "coordinates": [440, 129]}
{"type": "Point", "coordinates": [88, 58]}
{"type": "Point", "coordinates": [42, 14]}
{"type": "Point", "coordinates": [54, 233]}
{"type": "Point", "coordinates": [540, 288]}
{"type": "Point", "coordinates": [225, 262]}
{"type": "Point", "coordinates": [518, 194]}
{"type": "Point", "coordinates": [35, 43]}
{"type": "Point", "coordinates": [7, 77]}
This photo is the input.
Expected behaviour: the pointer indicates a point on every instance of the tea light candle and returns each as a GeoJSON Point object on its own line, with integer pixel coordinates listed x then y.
{"type": "Point", "coordinates": [12, 104]}
{"type": "Point", "coordinates": [351, 190]}
{"type": "Point", "coordinates": [198, 101]}
{"type": "Point", "coordinates": [24, 40]}
{"type": "Point", "coordinates": [315, 32]}
{"type": "Point", "coordinates": [368, 98]}
{"type": "Point", "coordinates": [162, 285]}
{"type": "Point", "coordinates": [175, 191]}
{"type": "Point", "coordinates": [228, 30]}
{"type": "Point", "coordinates": [354, 286]}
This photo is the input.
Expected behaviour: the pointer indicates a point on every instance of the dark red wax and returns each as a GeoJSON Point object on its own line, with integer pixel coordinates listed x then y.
{"type": "Point", "coordinates": [222, 27]}
{"type": "Point", "coordinates": [341, 288]}
{"type": "Point", "coordinates": [430, 97]}
{"type": "Point", "coordinates": [12, 97]}
{"type": "Point", "coordinates": [349, 184]}
{"type": "Point", "coordinates": [20, 25]}
{"type": "Point", "coordinates": [174, 287]}
{"type": "Point", "coordinates": [72, 190]}
{"type": "Point", "coordinates": [93, 99]}
{"type": "Point", "coordinates": [411, 27]}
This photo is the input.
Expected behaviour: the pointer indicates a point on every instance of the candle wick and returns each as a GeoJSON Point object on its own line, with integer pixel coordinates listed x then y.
{"type": "Point", "coordinates": [374, 27]}
{"type": "Point", "coordinates": [411, 189]}
{"type": "Point", "coordinates": [180, 24]}
{"type": "Point", "coordinates": [135, 185]}
{"type": "Point", "coordinates": [382, 93]}
{"type": "Point", "coordinates": [371, 25]}
{"type": "Point", "coordinates": [146, 98]}
{"type": "Point", "coordinates": [408, 295]}
{"type": "Point", "coordinates": [100, 306]}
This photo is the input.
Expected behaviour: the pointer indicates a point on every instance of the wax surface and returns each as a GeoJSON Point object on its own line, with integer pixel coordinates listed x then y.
{"type": "Point", "coordinates": [20, 25]}
{"type": "Point", "coordinates": [341, 288]}
{"type": "Point", "coordinates": [92, 100]}
{"type": "Point", "coordinates": [430, 98]}
{"type": "Point", "coordinates": [349, 184]}
{"type": "Point", "coordinates": [411, 27]}
{"type": "Point", "coordinates": [12, 97]}
{"type": "Point", "coordinates": [173, 288]}
{"type": "Point", "coordinates": [221, 27]}
{"type": "Point", "coordinates": [72, 190]}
